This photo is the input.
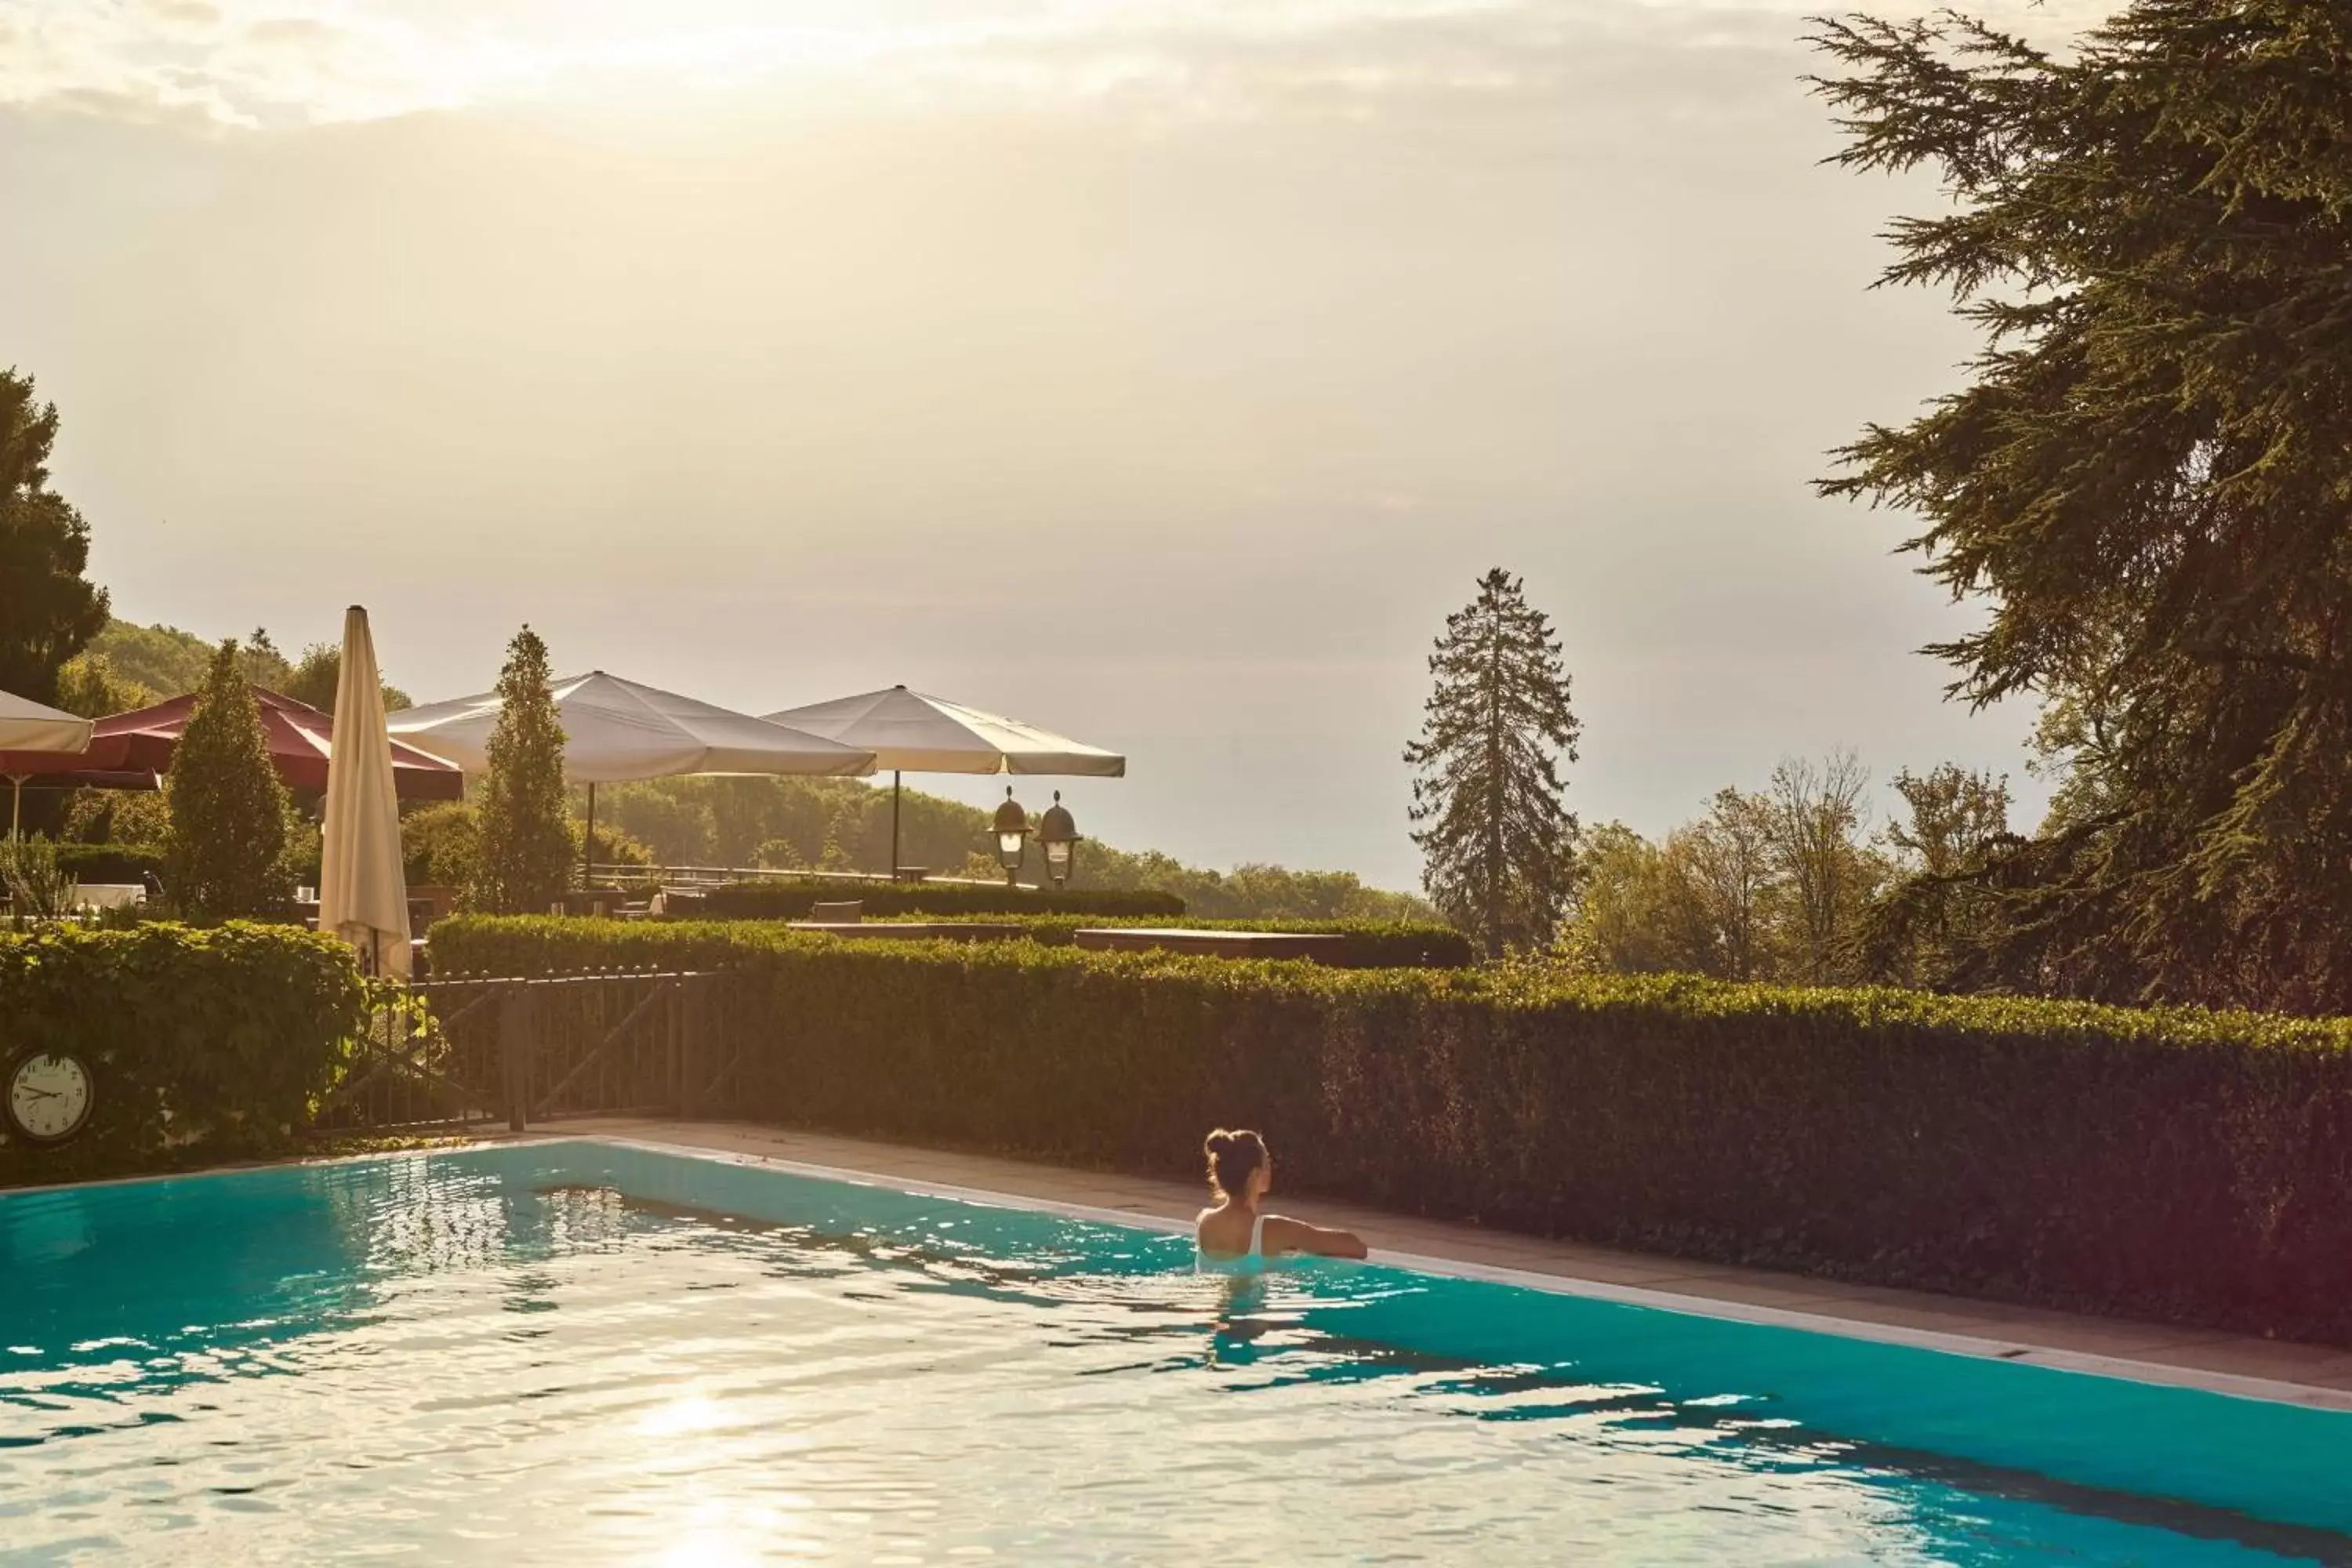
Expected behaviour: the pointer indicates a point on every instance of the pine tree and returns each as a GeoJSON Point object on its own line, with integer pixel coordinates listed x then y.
{"type": "Point", "coordinates": [224, 853]}
{"type": "Point", "coordinates": [2147, 480]}
{"type": "Point", "coordinates": [1499, 843]}
{"type": "Point", "coordinates": [48, 610]}
{"type": "Point", "coordinates": [525, 860]}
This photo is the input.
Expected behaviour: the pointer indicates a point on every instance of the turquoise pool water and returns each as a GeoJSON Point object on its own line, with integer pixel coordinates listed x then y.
{"type": "Point", "coordinates": [584, 1353]}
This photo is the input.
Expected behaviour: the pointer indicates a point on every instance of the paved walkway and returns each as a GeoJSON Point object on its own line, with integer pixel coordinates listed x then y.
{"type": "Point", "coordinates": [2157, 1353]}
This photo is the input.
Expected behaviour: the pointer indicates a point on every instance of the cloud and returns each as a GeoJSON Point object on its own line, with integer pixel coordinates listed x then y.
{"type": "Point", "coordinates": [279, 62]}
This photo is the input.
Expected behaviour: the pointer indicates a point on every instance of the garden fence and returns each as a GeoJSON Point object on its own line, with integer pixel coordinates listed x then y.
{"type": "Point", "coordinates": [464, 1050]}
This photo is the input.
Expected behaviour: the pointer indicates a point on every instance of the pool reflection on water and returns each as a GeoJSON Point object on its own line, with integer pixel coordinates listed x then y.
{"type": "Point", "coordinates": [584, 1353]}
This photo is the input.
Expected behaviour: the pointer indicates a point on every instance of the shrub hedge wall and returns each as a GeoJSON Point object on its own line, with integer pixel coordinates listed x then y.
{"type": "Point", "coordinates": [1370, 944]}
{"type": "Point", "coordinates": [791, 898]}
{"type": "Point", "coordinates": [108, 862]}
{"type": "Point", "coordinates": [2175, 1165]}
{"type": "Point", "coordinates": [202, 1043]}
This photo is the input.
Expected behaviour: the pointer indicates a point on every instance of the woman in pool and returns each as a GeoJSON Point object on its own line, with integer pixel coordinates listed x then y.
{"type": "Point", "coordinates": [1238, 1231]}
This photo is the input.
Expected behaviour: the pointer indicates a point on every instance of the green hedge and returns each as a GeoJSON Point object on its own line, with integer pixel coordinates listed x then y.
{"type": "Point", "coordinates": [792, 900]}
{"type": "Point", "coordinates": [1370, 944]}
{"type": "Point", "coordinates": [108, 862]}
{"type": "Point", "coordinates": [202, 1042]}
{"type": "Point", "coordinates": [2181, 1165]}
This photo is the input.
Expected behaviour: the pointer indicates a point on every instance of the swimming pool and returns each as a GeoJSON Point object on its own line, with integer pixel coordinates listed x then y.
{"type": "Point", "coordinates": [586, 1351]}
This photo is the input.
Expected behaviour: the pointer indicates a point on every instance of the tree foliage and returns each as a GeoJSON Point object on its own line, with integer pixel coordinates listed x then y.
{"type": "Point", "coordinates": [48, 609]}
{"type": "Point", "coordinates": [1815, 814]}
{"type": "Point", "coordinates": [313, 679]}
{"type": "Point", "coordinates": [844, 824]}
{"type": "Point", "coordinates": [1931, 925]}
{"type": "Point", "coordinates": [2147, 478]}
{"type": "Point", "coordinates": [164, 659]}
{"type": "Point", "coordinates": [1771, 885]}
{"type": "Point", "coordinates": [524, 861]}
{"type": "Point", "coordinates": [1498, 841]}
{"type": "Point", "coordinates": [87, 685]}
{"type": "Point", "coordinates": [224, 853]}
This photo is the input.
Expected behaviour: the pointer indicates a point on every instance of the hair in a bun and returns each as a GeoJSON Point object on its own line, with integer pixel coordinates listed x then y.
{"type": "Point", "coordinates": [1234, 1155]}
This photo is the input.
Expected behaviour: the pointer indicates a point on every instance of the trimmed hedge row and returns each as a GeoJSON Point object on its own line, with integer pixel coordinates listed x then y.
{"type": "Point", "coordinates": [2175, 1165]}
{"type": "Point", "coordinates": [201, 1042]}
{"type": "Point", "coordinates": [793, 898]}
{"type": "Point", "coordinates": [108, 862]}
{"type": "Point", "coordinates": [1370, 944]}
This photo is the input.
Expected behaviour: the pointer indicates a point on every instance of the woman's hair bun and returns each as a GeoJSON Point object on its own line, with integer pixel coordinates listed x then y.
{"type": "Point", "coordinates": [1233, 1153]}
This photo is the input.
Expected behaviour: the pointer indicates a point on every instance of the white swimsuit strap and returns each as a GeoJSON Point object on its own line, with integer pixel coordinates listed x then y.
{"type": "Point", "coordinates": [1257, 1238]}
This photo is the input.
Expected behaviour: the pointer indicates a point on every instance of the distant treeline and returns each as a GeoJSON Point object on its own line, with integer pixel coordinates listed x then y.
{"type": "Point", "coordinates": [128, 666]}
{"type": "Point", "coordinates": [844, 824]}
{"type": "Point", "coordinates": [1790, 883]}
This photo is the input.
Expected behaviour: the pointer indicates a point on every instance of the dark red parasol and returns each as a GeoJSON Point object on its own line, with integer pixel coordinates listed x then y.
{"type": "Point", "coordinates": [140, 744]}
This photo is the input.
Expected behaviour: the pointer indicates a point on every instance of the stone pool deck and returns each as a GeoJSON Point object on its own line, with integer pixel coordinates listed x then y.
{"type": "Point", "coordinates": [2225, 1364]}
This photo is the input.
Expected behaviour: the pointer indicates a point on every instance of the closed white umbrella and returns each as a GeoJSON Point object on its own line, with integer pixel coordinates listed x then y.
{"type": "Point", "coordinates": [27, 726]}
{"type": "Point", "coordinates": [362, 888]}
{"type": "Point", "coordinates": [910, 733]}
{"type": "Point", "coordinates": [617, 730]}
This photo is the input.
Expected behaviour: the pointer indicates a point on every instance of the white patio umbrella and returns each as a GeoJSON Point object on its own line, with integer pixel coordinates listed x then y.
{"type": "Point", "coordinates": [362, 889]}
{"type": "Point", "coordinates": [909, 733]}
{"type": "Point", "coordinates": [617, 730]}
{"type": "Point", "coordinates": [27, 726]}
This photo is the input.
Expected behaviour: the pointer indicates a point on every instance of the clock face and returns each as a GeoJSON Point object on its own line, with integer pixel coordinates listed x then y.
{"type": "Point", "coordinates": [48, 1097]}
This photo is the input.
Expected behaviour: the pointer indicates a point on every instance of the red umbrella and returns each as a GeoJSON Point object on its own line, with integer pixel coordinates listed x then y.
{"type": "Point", "coordinates": [141, 741]}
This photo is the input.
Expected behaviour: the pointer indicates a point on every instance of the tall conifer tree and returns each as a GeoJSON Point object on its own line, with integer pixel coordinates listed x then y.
{"type": "Point", "coordinates": [224, 855]}
{"type": "Point", "coordinates": [2147, 479]}
{"type": "Point", "coordinates": [48, 610]}
{"type": "Point", "coordinates": [525, 830]}
{"type": "Point", "coordinates": [1498, 839]}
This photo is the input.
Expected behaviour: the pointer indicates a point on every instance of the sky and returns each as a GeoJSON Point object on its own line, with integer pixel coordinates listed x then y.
{"type": "Point", "coordinates": [1163, 374]}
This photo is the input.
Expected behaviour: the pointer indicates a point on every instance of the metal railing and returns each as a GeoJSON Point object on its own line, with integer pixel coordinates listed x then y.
{"type": "Point", "coordinates": [463, 1050]}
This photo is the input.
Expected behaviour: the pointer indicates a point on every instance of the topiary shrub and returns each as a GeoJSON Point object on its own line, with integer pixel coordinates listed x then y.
{"type": "Point", "coordinates": [224, 855]}
{"type": "Point", "coordinates": [525, 856]}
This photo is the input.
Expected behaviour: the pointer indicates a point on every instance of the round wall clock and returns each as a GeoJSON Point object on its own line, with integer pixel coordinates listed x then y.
{"type": "Point", "coordinates": [47, 1096]}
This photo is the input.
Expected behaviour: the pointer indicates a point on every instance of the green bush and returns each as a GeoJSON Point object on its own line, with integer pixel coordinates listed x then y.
{"type": "Point", "coordinates": [441, 844]}
{"type": "Point", "coordinates": [2177, 1165]}
{"type": "Point", "coordinates": [201, 1042]}
{"type": "Point", "coordinates": [225, 854]}
{"type": "Point", "coordinates": [792, 900]}
{"type": "Point", "coordinates": [108, 862]}
{"type": "Point", "coordinates": [37, 885]}
{"type": "Point", "coordinates": [524, 856]}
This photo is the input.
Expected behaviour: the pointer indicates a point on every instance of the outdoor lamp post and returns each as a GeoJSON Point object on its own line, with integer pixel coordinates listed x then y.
{"type": "Point", "coordinates": [1058, 835]}
{"type": "Point", "coordinates": [1012, 835]}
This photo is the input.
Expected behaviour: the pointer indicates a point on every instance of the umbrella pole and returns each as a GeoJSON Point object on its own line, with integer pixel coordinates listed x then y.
{"type": "Point", "coordinates": [15, 803]}
{"type": "Point", "coordinates": [588, 840]}
{"type": "Point", "coordinates": [894, 777]}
